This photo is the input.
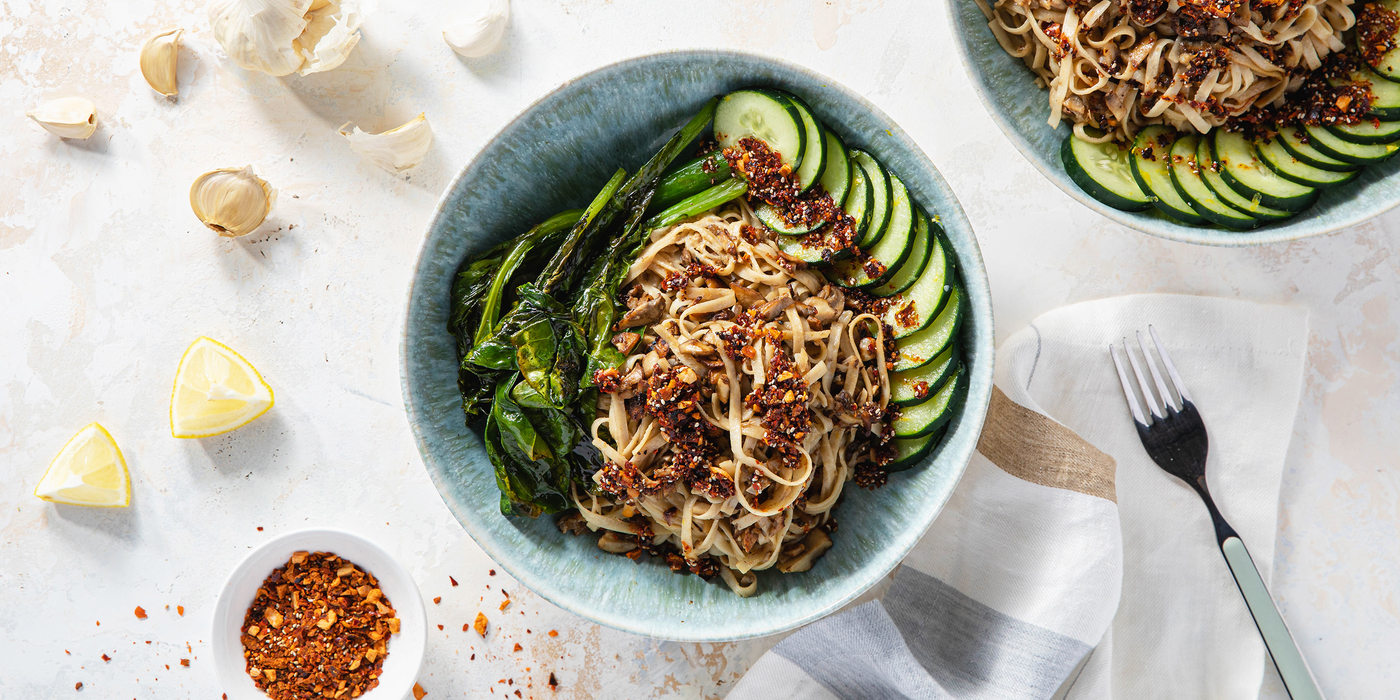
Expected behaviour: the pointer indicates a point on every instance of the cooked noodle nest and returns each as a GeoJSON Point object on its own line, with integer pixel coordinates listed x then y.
{"type": "Point", "coordinates": [1105, 68]}
{"type": "Point", "coordinates": [778, 498]}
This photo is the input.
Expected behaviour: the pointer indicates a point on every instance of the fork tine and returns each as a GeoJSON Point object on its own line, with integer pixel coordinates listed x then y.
{"type": "Point", "coordinates": [1128, 392]}
{"type": "Point", "coordinates": [1142, 382]}
{"type": "Point", "coordinates": [1171, 368]}
{"type": "Point", "coordinates": [1168, 403]}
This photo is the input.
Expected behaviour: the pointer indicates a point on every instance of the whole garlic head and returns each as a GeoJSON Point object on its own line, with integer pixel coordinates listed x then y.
{"type": "Point", "coordinates": [232, 201]}
{"type": "Point", "coordinates": [478, 31]}
{"type": "Point", "coordinates": [66, 117]}
{"type": "Point", "coordinates": [397, 149]}
{"type": "Point", "coordinates": [279, 37]}
{"type": "Point", "coordinates": [159, 56]}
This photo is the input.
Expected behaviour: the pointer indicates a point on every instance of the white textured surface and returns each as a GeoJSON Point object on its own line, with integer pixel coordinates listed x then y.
{"type": "Point", "coordinates": [105, 277]}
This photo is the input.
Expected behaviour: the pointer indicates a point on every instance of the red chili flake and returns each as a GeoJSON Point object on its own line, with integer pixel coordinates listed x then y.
{"type": "Point", "coordinates": [473, 657]}
{"type": "Point", "coordinates": [453, 580]}
{"type": "Point", "coordinates": [106, 657]}
{"type": "Point", "coordinates": [518, 695]}
{"type": "Point", "coordinates": [553, 682]}
{"type": "Point", "coordinates": [554, 633]}
{"type": "Point", "coordinates": [67, 652]}
{"type": "Point", "coordinates": [518, 647]}
{"type": "Point", "coordinates": [466, 627]}
{"type": "Point", "coordinates": [492, 572]}
{"type": "Point", "coordinates": [140, 613]}
{"type": "Point", "coordinates": [185, 663]}
{"type": "Point", "coordinates": [437, 600]}
{"type": "Point", "coordinates": [418, 692]}
{"type": "Point", "coordinates": [99, 623]}
{"type": "Point", "coordinates": [78, 685]}
{"type": "Point", "coordinates": [439, 627]}
{"type": "Point", "coordinates": [180, 609]}
{"type": "Point", "coordinates": [259, 528]}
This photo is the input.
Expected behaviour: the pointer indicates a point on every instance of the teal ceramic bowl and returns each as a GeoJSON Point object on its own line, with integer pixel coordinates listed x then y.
{"type": "Point", "coordinates": [556, 155]}
{"type": "Point", "coordinates": [1020, 109]}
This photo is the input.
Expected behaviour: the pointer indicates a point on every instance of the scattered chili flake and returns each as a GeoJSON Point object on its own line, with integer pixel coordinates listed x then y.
{"type": "Point", "coordinates": [418, 692]}
{"type": "Point", "coordinates": [1375, 32]}
{"type": "Point", "coordinates": [106, 657]}
{"type": "Point", "coordinates": [78, 685]}
{"type": "Point", "coordinates": [437, 600]}
{"type": "Point", "coordinates": [180, 609]}
{"type": "Point", "coordinates": [439, 627]}
{"type": "Point", "coordinates": [185, 663]}
{"type": "Point", "coordinates": [67, 652]}
{"type": "Point", "coordinates": [260, 528]}
{"type": "Point", "coordinates": [320, 623]}
{"type": "Point", "coordinates": [554, 633]}
{"type": "Point", "coordinates": [491, 572]}
{"type": "Point", "coordinates": [479, 625]}
{"type": "Point", "coordinates": [518, 647]}
{"type": "Point", "coordinates": [140, 613]}
{"type": "Point", "coordinates": [466, 626]}
{"type": "Point", "coordinates": [453, 580]}
{"type": "Point", "coordinates": [553, 682]}
{"type": "Point", "coordinates": [505, 604]}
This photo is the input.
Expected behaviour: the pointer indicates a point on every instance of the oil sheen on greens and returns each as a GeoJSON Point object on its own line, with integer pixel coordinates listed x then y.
{"type": "Point", "coordinates": [533, 318]}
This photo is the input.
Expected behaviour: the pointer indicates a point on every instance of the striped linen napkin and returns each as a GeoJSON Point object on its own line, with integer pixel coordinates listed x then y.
{"type": "Point", "coordinates": [1067, 564]}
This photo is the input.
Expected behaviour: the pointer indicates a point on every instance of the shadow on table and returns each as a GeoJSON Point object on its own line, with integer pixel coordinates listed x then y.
{"type": "Point", "coordinates": [253, 447]}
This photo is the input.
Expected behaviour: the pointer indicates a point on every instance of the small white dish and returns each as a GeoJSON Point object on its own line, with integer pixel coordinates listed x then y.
{"type": "Point", "coordinates": [405, 651]}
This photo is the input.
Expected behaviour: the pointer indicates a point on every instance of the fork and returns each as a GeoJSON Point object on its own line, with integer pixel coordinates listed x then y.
{"type": "Point", "coordinates": [1174, 436]}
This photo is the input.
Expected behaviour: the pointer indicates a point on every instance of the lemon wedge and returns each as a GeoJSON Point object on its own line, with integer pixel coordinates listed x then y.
{"type": "Point", "coordinates": [88, 471]}
{"type": "Point", "coordinates": [216, 391]}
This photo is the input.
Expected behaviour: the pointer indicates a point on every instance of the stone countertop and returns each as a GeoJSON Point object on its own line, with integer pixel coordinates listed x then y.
{"type": "Point", "coordinates": [106, 276]}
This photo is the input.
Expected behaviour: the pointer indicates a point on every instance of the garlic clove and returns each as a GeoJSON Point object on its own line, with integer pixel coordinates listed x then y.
{"type": "Point", "coordinates": [159, 56]}
{"type": "Point", "coordinates": [67, 117]}
{"type": "Point", "coordinates": [397, 149]}
{"type": "Point", "coordinates": [331, 33]}
{"type": "Point", "coordinates": [478, 31]}
{"type": "Point", "coordinates": [232, 201]}
{"type": "Point", "coordinates": [280, 37]}
{"type": "Point", "coordinates": [258, 34]}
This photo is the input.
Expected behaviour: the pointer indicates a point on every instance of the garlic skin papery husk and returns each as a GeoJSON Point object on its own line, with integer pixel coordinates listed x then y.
{"type": "Point", "coordinates": [232, 201]}
{"type": "Point", "coordinates": [478, 31]}
{"type": "Point", "coordinates": [279, 37]}
{"type": "Point", "coordinates": [159, 59]}
{"type": "Point", "coordinates": [395, 150]}
{"type": "Point", "coordinates": [66, 117]}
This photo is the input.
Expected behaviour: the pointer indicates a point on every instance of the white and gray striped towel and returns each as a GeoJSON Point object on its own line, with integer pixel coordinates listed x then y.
{"type": "Point", "coordinates": [1067, 564]}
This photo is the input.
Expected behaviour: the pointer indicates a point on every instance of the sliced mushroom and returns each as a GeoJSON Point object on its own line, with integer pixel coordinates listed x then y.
{"type": "Point", "coordinates": [572, 523]}
{"type": "Point", "coordinates": [746, 297]}
{"type": "Point", "coordinates": [775, 307]}
{"type": "Point", "coordinates": [696, 347]}
{"type": "Point", "coordinates": [817, 309]}
{"type": "Point", "coordinates": [632, 379]}
{"type": "Point", "coordinates": [646, 312]}
{"type": "Point", "coordinates": [624, 342]}
{"type": "Point", "coordinates": [833, 296]}
{"type": "Point", "coordinates": [812, 547]}
{"type": "Point", "coordinates": [613, 543]}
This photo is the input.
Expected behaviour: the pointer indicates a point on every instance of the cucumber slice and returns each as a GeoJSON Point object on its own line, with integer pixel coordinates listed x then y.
{"type": "Point", "coordinates": [836, 178]}
{"type": "Point", "coordinates": [925, 233]}
{"type": "Point", "coordinates": [1357, 153]}
{"type": "Point", "coordinates": [766, 115]}
{"type": "Point", "coordinates": [816, 248]}
{"type": "Point", "coordinates": [1186, 177]}
{"type": "Point", "coordinates": [925, 418]}
{"type": "Point", "coordinates": [880, 201]}
{"type": "Point", "coordinates": [1367, 132]}
{"type": "Point", "coordinates": [857, 204]}
{"type": "Point", "coordinates": [1104, 172]}
{"type": "Point", "coordinates": [1295, 141]}
{"type": "Point", "coordinates": [908, 453]}
{"type": "Point", "coordinates": [890, 252]}
{"type": "Point", "coordinates": [814, 152]}
{"type": "Point", "coordinates": [770, 217]}
{"type": "Point", "coordinates": [1385, 94]}
{"type": "Point", "coordinates": [1246, 174]}
{"type": "Point", "coordinates": [1282, 162]}
{"type": "Point", "coordinates": [1210, 174]}
{"type": "Point", "coordinates": [1151, 165]}
{"type": "Point", "coordinates": [921, 348]}
{"type": "Point", "coordinates": [919, 385]}
{"type": "Point", "coordinates": [1388, 66]}
{"type": "Point", "coordinates": [917, 307]}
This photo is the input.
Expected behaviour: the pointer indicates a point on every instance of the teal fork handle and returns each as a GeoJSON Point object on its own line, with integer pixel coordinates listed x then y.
{"type": "Point", "coordinates": [1297, 678]}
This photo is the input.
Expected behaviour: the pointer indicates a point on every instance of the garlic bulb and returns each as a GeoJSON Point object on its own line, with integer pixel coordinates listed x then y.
{"type": "Point", "coordinates": [158, 61]}
{"type": "Point", "coordinates": [67, 117]}
{"type": "Point", "coordinates": [232, 201]}
{"type": "Point", "coordinates": [397, 149]}
{"type": "Point", "coordinates": [478, 32]}
{"type": "Point", "coordinates": [279, 37]}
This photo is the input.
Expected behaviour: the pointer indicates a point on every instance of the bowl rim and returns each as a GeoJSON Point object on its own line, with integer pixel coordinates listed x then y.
{"type": "Point", "coordinates": [973, 414]}
{"type": "Point", "coordinates": [410, 610]}
{"type": "Point", "coordinates": [1159, 228]}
